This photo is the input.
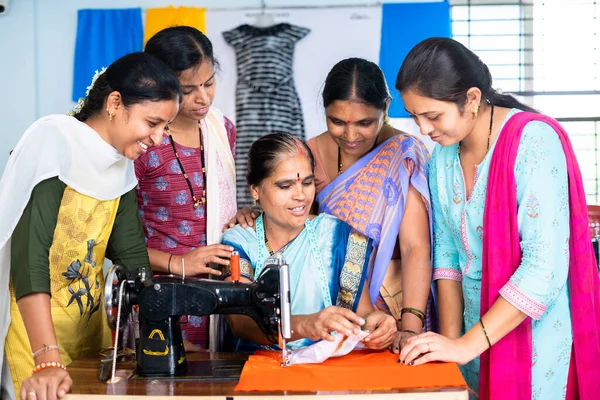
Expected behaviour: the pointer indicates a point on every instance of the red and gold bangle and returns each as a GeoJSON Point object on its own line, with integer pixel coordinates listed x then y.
{"type": "Point", "coordinates": [52, 364]}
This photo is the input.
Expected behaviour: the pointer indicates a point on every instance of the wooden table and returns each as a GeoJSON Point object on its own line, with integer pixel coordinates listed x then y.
{"type": "Point", "coordinates": [84, 373]}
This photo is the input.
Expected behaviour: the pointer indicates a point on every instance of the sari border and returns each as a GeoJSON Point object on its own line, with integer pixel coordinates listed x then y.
{"type": "Point", "coordinates": [352, 276]}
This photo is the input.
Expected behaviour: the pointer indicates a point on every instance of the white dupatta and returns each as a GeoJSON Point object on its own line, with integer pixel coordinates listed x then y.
{"type": "Point", "coordinates": [54, 146]}
{"type": "Point", "coordinates": [220, 175]}
{"type": "Point", "coordinates": [220, 188]}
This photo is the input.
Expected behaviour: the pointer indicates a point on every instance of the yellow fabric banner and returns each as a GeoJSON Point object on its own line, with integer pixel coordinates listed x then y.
{"type": "Point", "coordinates": [158, 19]}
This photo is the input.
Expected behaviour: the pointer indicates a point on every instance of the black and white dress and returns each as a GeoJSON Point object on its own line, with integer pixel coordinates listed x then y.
{"type": "Point", "coordinates": [266, 97]}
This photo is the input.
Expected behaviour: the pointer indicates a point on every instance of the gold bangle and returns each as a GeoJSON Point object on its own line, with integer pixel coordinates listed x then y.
{"type": "Point", "coordinates": [414, 311]}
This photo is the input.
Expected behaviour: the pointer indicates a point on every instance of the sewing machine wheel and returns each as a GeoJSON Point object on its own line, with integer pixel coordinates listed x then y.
{"type": "Point", "coordinates": [115, 275]}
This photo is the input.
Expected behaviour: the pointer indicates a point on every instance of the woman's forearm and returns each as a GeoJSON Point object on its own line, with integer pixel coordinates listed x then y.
{"type": "Point", "coordinates": [37, 318]}
{"type": "Point", "coordinates": [159, 261]}
{"type": "Point", "coordinates": [365, 306]}
{"type": "Point", "coordinates": [450, 307]}
{"type": "Point", "coordinates": [415, 248]}
{"type": "Point", "coordinates": [416, 284]}
{"type": "Point", "coordinates": [244, 327]}
{"type": "Point", "coordinates": [500, 320]}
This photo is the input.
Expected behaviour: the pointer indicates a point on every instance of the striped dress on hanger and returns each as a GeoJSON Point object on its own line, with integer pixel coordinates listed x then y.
{"type": "Point", "coordinates": [266, 97]}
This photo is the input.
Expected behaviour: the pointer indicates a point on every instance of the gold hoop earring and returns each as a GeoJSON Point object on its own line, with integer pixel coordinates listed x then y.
{"type": "Point", "coordinates": [475, 110]}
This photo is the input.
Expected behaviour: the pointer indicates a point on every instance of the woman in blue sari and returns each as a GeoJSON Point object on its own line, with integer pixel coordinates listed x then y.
{"type": "Point", "coordinates": [328, 259]}
{"type": "Point", "coordinates": [373, 177]}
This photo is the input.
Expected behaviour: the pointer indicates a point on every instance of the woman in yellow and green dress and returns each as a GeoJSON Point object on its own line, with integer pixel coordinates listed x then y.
{"type": "Point", "coordinates": [67, 200]}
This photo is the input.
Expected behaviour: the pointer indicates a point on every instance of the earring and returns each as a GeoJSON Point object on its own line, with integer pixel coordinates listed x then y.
{"type": "Point", "coordinates": [111, 114]}
{"type": "Point", "coordinates": [255, 201]}
{"type": "Point", "coordinates": [475, 110]}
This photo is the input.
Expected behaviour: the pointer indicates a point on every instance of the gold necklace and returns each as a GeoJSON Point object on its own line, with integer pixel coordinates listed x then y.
{"type": "Point", "coordinates": [489, 132]}
{"type": "Point", "coordinates": [268, 245]}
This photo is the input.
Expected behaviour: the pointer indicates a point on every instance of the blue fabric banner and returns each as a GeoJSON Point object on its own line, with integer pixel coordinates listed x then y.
{"type": "Point", "coordinates": [403, 26]}
{"type": "Point", "coordinates": [102, 37]}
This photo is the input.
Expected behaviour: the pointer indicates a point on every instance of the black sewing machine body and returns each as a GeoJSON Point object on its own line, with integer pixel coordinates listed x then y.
{"type": "Point", "coordinates": [163, 299]}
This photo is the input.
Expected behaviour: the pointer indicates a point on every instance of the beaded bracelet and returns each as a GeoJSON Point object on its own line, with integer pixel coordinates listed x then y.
{"type": "Point", "coordinates": [416, 312]}
{"type": "Point", "coordinates": [52, 364]}
{"type": "Point", "coordinates": [43, 350]}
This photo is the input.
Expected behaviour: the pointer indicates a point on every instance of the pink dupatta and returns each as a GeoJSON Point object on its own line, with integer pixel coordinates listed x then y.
{"type": "Point", "coordinates": [506, 367]}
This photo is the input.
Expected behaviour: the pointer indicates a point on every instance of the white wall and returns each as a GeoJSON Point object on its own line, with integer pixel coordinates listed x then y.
{"type": "Point", "coordinates": [37, 44]}
{"type": "Point", "coordinates": [17, 74]}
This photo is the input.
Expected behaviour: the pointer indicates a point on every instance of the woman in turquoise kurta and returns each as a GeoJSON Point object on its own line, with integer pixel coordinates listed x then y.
{"type": "Point", "coordinates": [345, 254]}
{"type": "Point", "coordinates": [538, 288]}
{"type": "Point", "coordinates": [513, 267]}
{"type": "Point", "coordinates": [328, 259]}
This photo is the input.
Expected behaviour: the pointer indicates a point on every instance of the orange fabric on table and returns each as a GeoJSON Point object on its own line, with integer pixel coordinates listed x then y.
{"type": "Point", "coordinates": [357, 371]}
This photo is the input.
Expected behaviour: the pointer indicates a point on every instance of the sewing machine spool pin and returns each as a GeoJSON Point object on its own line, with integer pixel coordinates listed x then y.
{"type": "Point", "coordinates": [285, 315]}
{"type": "Point", "coordinates": [234, 264]}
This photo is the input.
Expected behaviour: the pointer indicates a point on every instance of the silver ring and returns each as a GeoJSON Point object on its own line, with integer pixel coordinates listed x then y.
{"type": "Point", "coordinates": [32, 394]}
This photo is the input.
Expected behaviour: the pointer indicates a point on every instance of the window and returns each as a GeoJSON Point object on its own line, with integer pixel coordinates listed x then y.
{"type": "Point", "coordinates": [547, 52]}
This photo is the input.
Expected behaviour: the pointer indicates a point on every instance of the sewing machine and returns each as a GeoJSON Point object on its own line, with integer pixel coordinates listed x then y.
{"type": "Point", "coordinates": [163, 299]}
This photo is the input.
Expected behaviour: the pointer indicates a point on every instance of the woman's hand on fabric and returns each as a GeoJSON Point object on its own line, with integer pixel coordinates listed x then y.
{"type": "Point", "coordinates": [331, 319]}
{"type": "Point", "coordinates": [245, 217]}
{"type": "Point", "coordinates": [382, 329]}
{"type": "Point", "coordinates": [47, 384]}
{"type": "Point", "coordinates": [400, 340]}
{"type": "Point", "coordinates": [429, 346]}
{"type": "Point", "coordinates": [197, 261]}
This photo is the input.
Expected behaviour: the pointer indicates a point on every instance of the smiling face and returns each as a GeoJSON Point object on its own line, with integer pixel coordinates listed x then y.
{"type": "Point", "coordinates": [287, 195]}
{"type": "Point", "coordinates": [354, 125]}
{"type": "Point", "coordinates": [198, 86]}
{"type": "Point", "coordinates": [442, 121]}
{"type": "Point", "coordinates": [139, 126]}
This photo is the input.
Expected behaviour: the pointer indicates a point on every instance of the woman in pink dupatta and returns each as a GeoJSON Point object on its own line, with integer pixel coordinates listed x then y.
{"type": "Point", "coordinates": [513, 262]}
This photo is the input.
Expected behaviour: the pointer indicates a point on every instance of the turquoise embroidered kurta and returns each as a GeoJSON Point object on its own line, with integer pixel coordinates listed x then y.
{"type": "Point", "coordinates": [539, 286]}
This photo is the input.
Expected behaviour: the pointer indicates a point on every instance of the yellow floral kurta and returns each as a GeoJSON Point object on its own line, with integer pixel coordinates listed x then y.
{"type": "Point", "coordinates": [76, 258]}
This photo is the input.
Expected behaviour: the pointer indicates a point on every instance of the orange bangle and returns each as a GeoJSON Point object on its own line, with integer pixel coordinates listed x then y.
{"type": "Point", "coordinates": [52, 364]}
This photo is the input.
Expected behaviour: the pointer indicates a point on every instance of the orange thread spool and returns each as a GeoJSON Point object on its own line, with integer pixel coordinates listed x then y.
{"type": "Point", "coordinates": [235, 266]}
